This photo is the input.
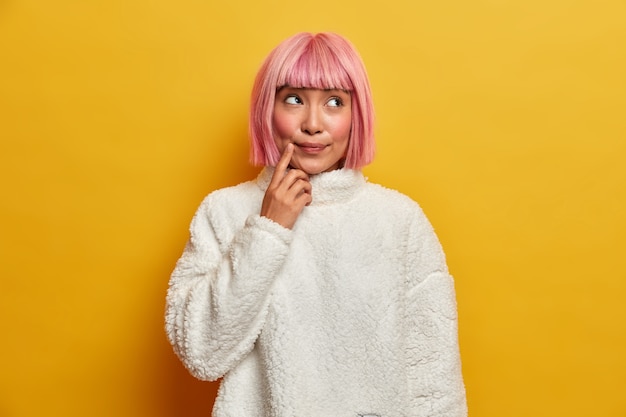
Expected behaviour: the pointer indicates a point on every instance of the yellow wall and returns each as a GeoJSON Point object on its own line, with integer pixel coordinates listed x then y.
{"type": "Point", "coordinates": [506, 120]}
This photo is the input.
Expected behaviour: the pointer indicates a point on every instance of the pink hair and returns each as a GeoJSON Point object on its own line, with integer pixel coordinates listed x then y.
{"type": "Point", "coordinates": [321, 61]}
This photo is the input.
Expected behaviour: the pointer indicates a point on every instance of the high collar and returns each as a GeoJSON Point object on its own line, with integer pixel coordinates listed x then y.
{"type": "Point", "coordinates": [328, 188]}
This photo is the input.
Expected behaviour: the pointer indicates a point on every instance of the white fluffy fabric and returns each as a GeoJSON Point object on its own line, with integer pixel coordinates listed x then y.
{"type": "Point", "coordinates": [352, 313]}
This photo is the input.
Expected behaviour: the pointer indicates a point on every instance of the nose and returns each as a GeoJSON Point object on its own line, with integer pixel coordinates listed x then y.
{"type": "Point", "coordinates": [312, 121]}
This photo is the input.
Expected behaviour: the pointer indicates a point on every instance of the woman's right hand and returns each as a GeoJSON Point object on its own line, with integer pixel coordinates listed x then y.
{"type": "Point", "coordinates": [287, 193]}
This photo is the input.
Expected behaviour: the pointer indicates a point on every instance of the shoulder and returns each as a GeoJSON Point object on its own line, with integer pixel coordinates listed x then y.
{"type": "Point", "coordinates": [224, 211]}
{"type": "Point", "coordinates": [230, 204]}
{"type": "Point", "coordinates": [392, 200]}
{"type": "Point", "coordinates": [240, 195]}
{"type": "Point", "coordinates": [405, 216]}
{"type": "Point", "coordinates": [231, 195]}
{"type": "Point", "coordinates": [397, 211]}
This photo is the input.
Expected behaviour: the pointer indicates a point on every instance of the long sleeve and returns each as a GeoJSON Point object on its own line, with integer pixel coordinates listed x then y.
{"type": "Point", "coordinates": [435, 383]}
{"type": "Point", "coordinates": [220, 288]}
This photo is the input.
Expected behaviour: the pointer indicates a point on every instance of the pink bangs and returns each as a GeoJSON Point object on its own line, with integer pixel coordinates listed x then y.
{"type": "Point", "coordinates": [314, 66]}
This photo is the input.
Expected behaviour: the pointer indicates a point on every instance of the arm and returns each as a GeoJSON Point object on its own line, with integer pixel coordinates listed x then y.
{"type": "Point", "coordinates": [218, 296]}
{"type": "Point", "coordinates": [435, 380]}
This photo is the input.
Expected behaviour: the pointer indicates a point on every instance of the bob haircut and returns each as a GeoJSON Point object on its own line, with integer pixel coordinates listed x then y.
{"type": "Point", "coordinates": [321, 61]}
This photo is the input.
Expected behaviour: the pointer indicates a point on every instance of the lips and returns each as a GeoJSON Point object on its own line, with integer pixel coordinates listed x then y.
{"type": "Point", "coordinates": [311, 147]}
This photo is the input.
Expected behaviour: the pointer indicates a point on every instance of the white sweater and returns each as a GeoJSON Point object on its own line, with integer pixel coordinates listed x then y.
{"type": "Point", "coordinates": [351, 313]}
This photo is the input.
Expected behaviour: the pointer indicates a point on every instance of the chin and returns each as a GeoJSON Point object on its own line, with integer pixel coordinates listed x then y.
{"type": "Point", "coordinates": [312, 170]}
{"type": "Point", "coordinates": [309, 169]}
{"type": "Point", "coordinates": [314, 167]}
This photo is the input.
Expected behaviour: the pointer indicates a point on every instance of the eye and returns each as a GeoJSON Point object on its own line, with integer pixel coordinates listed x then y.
{"type": "Point", "coordinates": [293, 99]}
{"type": "Point", "coordinates": [335, 102]}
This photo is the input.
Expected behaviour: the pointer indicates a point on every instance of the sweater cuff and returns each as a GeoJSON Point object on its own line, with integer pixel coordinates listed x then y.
{"type": "Point", "coordinates": [267, 225]}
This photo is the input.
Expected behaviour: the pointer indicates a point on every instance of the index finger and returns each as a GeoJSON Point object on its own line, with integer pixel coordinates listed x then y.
{"type": "Point", "coordinates": [283, 163]}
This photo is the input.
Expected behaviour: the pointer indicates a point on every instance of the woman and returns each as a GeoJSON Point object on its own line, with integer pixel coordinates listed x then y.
{"type": "Point", "coordinates": [312, 292]}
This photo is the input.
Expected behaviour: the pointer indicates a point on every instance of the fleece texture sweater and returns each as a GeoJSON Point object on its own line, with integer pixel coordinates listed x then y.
{"type": "Point", "coordinates": [350, 313]}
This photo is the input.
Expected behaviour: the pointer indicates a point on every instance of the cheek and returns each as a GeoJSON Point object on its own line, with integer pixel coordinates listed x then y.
{"type": "Point", "coordinates": [342, 128]}
{"type": "Point", "coordinates": [283, 126]}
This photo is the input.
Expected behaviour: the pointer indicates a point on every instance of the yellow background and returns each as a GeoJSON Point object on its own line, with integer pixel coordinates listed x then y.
{"type": "Point", "coordinates": [506, 120]}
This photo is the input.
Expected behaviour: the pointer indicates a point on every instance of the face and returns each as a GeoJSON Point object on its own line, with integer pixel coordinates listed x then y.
{"type": "Point", "coordinates": [317, 122]}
